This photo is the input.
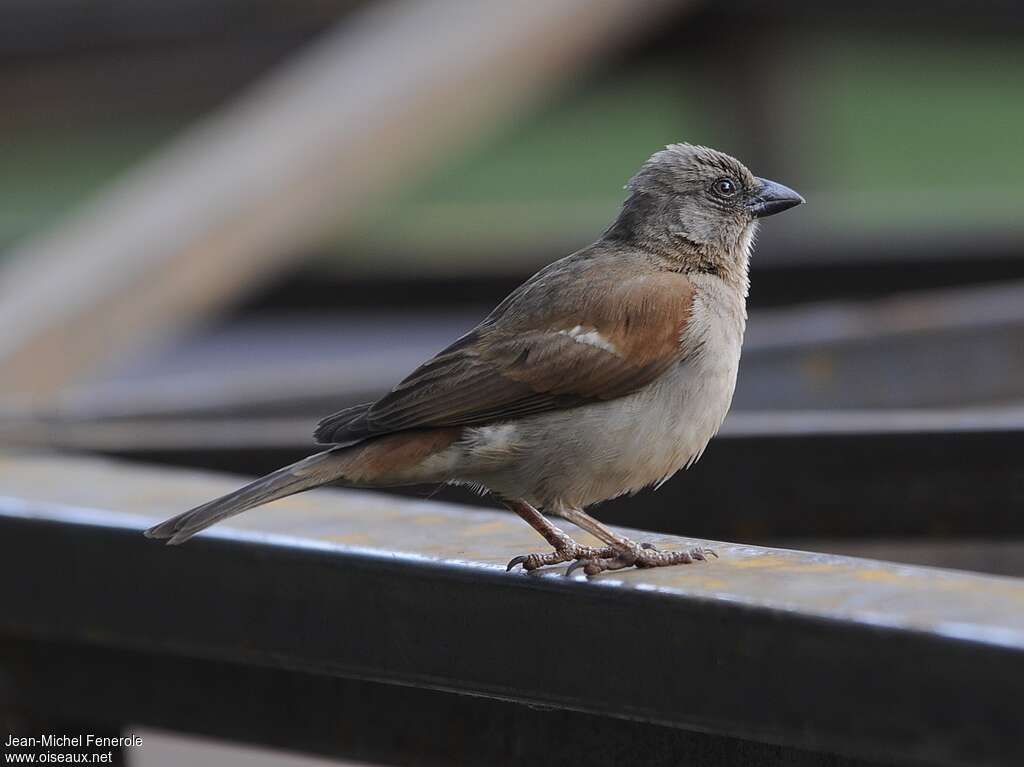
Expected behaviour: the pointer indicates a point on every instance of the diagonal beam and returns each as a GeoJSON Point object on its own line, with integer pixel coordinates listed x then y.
{"type": "Point", "coordinates": [379, 100]}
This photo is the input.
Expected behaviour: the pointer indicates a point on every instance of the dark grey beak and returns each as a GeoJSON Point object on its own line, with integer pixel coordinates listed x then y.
{"type": "Point", "coordinates": [772, 198]}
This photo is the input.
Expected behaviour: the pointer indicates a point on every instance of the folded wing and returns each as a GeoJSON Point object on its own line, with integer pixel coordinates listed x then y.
{"type": "Point", "coordinates": [551, 345]}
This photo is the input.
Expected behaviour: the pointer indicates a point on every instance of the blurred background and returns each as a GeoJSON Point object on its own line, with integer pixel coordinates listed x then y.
{"type": "Point", "coordinates": [222, 220]}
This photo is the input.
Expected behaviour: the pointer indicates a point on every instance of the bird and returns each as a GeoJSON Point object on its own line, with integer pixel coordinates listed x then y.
{"type": "Point", "coordinates": [605, 373]}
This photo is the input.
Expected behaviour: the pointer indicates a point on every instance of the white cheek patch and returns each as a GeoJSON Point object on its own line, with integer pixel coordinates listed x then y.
{"type": "Point", "coordinates": [591, 337]}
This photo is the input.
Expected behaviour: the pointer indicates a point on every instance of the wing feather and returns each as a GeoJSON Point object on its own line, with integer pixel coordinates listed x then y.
{"type": "Point", "coordinates": [550, 345]}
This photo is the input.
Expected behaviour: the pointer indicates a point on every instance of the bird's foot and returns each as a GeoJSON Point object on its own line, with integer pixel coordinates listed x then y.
{"type": "Point", "coordinates": [632, 554]}
{"type": "Point", "coordinates": [566, 550]}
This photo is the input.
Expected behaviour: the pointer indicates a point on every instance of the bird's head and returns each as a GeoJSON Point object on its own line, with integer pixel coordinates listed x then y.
{"type": "Point", "coordinates": [699, 201]}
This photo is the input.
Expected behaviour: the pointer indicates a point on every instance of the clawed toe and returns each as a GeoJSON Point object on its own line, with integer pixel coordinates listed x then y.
{"type": "Point", "coordinates": [616, 557]}
{"type": "Point", "coordinates": [567, 553]}
{"type": "Point", "coordinates": [535, 561]}
{"type": "Point", "coordinates": [515, 561]}
{"type": "Point", "coordinates": [644, 555]}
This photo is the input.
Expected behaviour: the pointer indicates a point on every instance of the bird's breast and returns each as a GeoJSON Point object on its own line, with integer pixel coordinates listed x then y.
{"type": "Point", "coordinates": [602, 450]}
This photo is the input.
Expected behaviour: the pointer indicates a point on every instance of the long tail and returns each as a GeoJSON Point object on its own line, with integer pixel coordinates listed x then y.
{"type": "Point", "coordinates": [308, 473]}
{"type": "Point", "coordinates": [395, 459]}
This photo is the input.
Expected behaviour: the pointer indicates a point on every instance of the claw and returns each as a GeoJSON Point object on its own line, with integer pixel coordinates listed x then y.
{"type": "Point", "coordinates": [513, 562]}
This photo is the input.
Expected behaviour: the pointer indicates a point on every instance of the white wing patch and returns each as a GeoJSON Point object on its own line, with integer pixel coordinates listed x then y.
{"type": "Point", "coordinates": [590, 337]}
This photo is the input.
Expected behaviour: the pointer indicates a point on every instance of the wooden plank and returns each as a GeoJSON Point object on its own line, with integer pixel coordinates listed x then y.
{"type": "Point", "coordinates": [367, 108]}
{"type": "Point", "coordinates": [831, 653]}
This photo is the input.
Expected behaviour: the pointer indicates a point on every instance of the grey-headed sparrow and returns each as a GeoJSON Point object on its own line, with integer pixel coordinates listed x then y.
{"type": "Point", "coordinates": [604, 373]}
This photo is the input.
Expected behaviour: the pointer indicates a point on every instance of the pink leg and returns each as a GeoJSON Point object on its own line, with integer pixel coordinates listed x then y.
{"type": "Point", "coordinates": [565, 548]}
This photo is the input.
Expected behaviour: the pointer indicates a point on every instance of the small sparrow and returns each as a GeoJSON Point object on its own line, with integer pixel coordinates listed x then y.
{"type": "Point", "coordinates": [606, 372]}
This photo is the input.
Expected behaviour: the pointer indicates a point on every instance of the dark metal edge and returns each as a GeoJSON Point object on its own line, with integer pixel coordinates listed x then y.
{"type": "Point", "coordinates": [730, 669]}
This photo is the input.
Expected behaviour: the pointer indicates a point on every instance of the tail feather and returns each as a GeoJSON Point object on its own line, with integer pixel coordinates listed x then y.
{"type": "Point", "coordinates": [396, 459]}
{"type": "Point", "coordinates": [308, 473]}
{"type": "Point", "coordinates": [346, 427]}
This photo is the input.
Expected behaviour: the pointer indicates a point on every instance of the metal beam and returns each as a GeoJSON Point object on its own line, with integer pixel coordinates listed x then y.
{"type": "Point", "coordinates": [996, 556]}
{"type": "Point", "coordinates": [827, 653]}
{"type": "Point", "coordinates": [892, 353]}
{"type": "Point", "coordinates": [351, 719]}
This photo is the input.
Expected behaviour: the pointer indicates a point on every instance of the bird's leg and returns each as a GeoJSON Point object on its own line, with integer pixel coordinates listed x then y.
{"type": "Point", "coordinates": [625, 552]}
{"type": "Point", "coordinates": [566, 549]}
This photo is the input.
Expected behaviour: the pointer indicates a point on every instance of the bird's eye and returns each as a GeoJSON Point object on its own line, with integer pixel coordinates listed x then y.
{"type": "Point", "coordinates": [725, 187]}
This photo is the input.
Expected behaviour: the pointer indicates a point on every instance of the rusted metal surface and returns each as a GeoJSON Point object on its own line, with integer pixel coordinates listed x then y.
{"type": "Point", "coordinates": [823, 652]}
{"type": "Point", "coordinates": [985, 555]}
{"type": "Point", "coordinates": [89, 491]}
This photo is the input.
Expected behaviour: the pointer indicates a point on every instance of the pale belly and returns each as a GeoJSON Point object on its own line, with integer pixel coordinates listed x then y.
{"type": "Point", "coordinates": [589, 454]}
